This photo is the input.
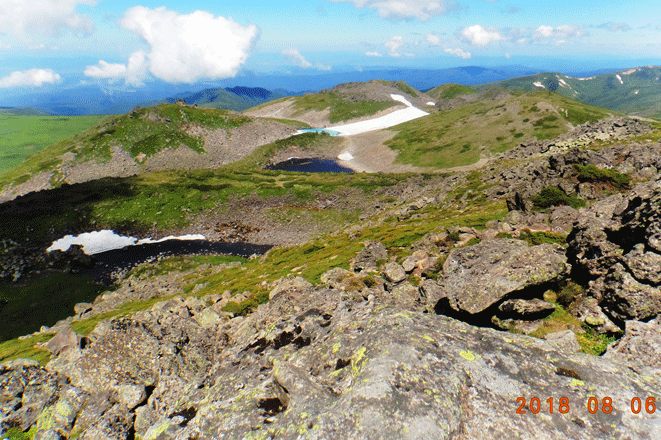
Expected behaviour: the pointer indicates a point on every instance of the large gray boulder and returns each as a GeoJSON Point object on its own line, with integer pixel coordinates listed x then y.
{"type": "Point", "coordinates": [477, 277]}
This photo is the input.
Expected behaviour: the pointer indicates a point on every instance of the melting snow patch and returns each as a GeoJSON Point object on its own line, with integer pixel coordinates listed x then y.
{"type": "Point", "coordinates": [563, 83]}
{"type": "Point", "coordinates": [538, 84]}
{"type": "Point", "coordinates": [401, 99]}
{"type": "Point", "coordinates": [636, 92]}
{"type": "Point", "coordinates": [630, 71]}
{"type": "Point", "coordinates": [431, 103]}
{"type": "Point", "coordinates": [619, 79]}
{"type": "Point", "coordinates": [585, 79]}
{"type": "Point", "coordinates": [345, 156]}
{"type": "Point", "coordinates": [106, 240]}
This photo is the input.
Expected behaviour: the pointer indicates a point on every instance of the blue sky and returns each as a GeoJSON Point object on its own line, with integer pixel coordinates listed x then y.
{"type": "Point", "coordinates": [50, 42]}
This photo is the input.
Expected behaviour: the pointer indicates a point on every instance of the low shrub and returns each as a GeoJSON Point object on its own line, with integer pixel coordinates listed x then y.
{"type": "Point", "coordinates": [590, 173]}
{"type": "Point", "coordinates": [554, 196]}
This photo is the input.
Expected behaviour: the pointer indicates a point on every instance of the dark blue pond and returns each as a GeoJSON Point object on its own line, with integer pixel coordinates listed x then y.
{"type": "Point", "coordinates": [310, 166]}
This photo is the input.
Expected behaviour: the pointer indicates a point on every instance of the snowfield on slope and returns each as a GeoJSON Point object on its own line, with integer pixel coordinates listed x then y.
{"type": "Point", "coordinates": [397, 117]}
{"type": "Point", "coordinates": [106, 240]}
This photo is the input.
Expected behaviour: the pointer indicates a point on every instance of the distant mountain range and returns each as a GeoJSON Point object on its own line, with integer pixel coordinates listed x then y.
{"type": "Point", "coordinates": [234, 98]}
{"type": "Point", "coordinates": [634, 91]}
{"type": "Point", "coordinates": [86, 99]}
{"type": "Point", "coordinates": [22, 111]}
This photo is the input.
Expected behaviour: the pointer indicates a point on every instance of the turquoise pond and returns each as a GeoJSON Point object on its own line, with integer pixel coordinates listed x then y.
{"type": "Point", "coordinates": [320, 130]}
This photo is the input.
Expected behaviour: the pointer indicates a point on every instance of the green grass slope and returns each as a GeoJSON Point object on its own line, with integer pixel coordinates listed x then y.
{"type": "Point", "coordinates": [634, 91]}
{"type": "Point", "coordinates": [450, 91]}
{"type": "Point", "coordinates": [22, 135]}
{"type": "Point", "coordinates": [144, 131]}
{"type": "Point", "coordinates": [494, 123]}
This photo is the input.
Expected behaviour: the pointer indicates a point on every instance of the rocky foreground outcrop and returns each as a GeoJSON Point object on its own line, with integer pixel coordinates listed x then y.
{"type": "Point", "coordinates": [344, 359]}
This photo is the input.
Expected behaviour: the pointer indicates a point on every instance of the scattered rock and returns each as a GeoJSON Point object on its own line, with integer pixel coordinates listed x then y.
{"type": "Point", "coordinates": [394, 272]}
{"type": "Point", "coordinates": [298, 284]}
{"type": "Point", "coordinates": [63, 340]}
{"type": "Point", "coordinates": [526, 309]}
{"type": "Point", "coordinates": [368, 259]}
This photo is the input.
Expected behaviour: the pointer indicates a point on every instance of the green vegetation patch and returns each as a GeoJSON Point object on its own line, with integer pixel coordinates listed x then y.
{"type": "Point", "coordinates": [341, 109]}
{"type": "Point", "coordinates": [450, 91]}
{"type": "Point", "coordinates": [22, 136]}
{"type": "Point", "coordinates": [537, 238]}
{"type": "Point", "coordinates": [25, 349]}
{"type": "Point", "coordinates": [610, 177]}
{"type": "Point", "coordinates": [458, 136]}
{"type": "Point", "coordinates": [554, 196]}
{"type": "Point", "coordinates": [590, 341]}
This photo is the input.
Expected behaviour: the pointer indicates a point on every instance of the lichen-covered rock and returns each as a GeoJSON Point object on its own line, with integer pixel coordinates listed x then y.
{"type": "Point", "coordinates": [564, 340]}
{"type": "Point", "coordinates": [625, 298]}
{"type": "Point", "coordinates": [418, 260]}
{"type": "Point", "coordinates": [368, 259]}
{"type": "Point", "coordinates": [645, 266]}
{"type": "Point", "coordinates": [394, 272]}
{"type": "Point", "coordinates": [587, 310]}
{"type": "Point", "coordinates": [526, 309]}
{"type": "Point", "coordinates": [641, 344]}
{"type": "Point", "coordinates": [293, 283]}
{"type": "Point", "coordinates": [590, 248]}
{"type": "Point", "coordinates": [477, 277]}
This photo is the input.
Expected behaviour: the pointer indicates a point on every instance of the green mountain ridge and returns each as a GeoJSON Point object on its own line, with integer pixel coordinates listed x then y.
{"type": "Point", "coordinates": [634, 91]}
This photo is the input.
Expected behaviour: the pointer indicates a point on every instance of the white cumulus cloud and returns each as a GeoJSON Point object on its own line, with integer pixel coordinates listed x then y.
{"type": "Point", "coordinates": [295, 57]}
{"type": "Point", "coordinates": [24, 18]}
{"type": "Point", "coordinates": [394, 45]}
{"type": "Point", "coordinates": [184, 48]}
{"type": "Point", "coordinates": [433, 40]}
{"type": "Point", "coordinates": [562, 32]}
{"type": "Point", "coordinates": [480, 36]}
{"type": "Point", "coordinates": [373, 54]}
{"type": "Point", "coordinates": [404, 9]}
{"type": "Point", "coordinates": [458, 53]}
{"type": "Point", "coordinates": [32, 77]}
{"type": "Point", "coordinates": [134, 73]}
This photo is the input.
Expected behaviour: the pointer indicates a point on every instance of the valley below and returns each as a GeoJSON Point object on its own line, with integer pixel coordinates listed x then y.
{"type": "Point", "coordinates": [502, 247]}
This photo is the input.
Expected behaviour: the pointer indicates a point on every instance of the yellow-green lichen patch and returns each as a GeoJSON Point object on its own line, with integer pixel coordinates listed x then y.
{"type": "Point", "coordinates": [467, 355]}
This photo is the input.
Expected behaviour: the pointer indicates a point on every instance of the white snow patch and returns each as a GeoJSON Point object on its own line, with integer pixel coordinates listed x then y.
{"type": "Point", "coordinates": [431, 103]}
{"type": "Point", "coordinates": [345, 156]}
{"type": "Point", "coordinates": [619, 79]}
{"type": "Point", "coordinates": [401, 99]}
{"type": "Point", "coordinates": [106, 240]}
{"type": "Point", "coordinates": [389, 120]}
{"type": "Point", "coordinates": [585, 79]}
{"type": "Point", "coordinates": [563, 83]}
{"type": "Point", "coordinates": [538, 84]}
{"type": "Point", "coordinates": [636, 92]}
{"type": "Point", "coordinates": [630, 71]}
{"type": "Point", "coordinates": [397, 117]}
